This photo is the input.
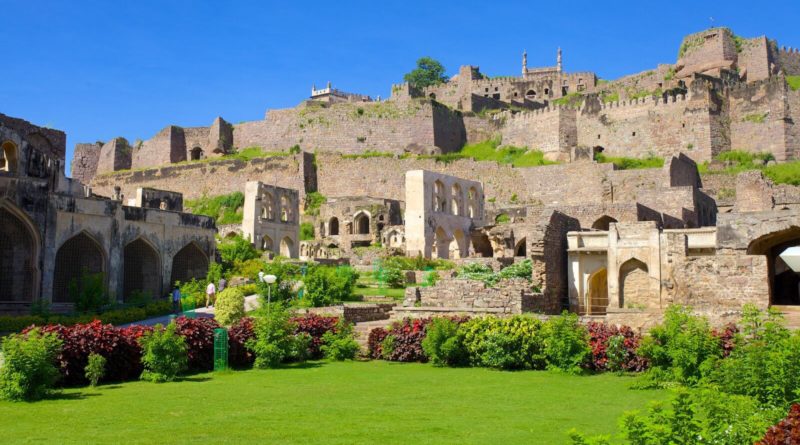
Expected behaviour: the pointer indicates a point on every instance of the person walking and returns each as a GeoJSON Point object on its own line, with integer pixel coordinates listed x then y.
{"type": "Point", "coordinates": [176, 300]}
{"type": "Point", "coordinates": [211, 293]}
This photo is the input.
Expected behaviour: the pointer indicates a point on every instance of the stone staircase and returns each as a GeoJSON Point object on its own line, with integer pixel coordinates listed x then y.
{"type": "Point", "coordinates": [791, 314]}
{"type": "Point", "coordinates": [363, 329]}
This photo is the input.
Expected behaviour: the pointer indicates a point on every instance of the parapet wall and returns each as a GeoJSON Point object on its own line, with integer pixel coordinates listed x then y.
{"type": "Point", "coordinates": [758, 117]}
{"type": "Point", "coordinates": [84, 161]}
{"type": "Point", "coordinates": [789, 61]}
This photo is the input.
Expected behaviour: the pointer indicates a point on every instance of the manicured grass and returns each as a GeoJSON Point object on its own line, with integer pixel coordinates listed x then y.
{"type": "Point", "coordinates": [333, 403]}
{"type": "Point", "coordinates": [373, 291]}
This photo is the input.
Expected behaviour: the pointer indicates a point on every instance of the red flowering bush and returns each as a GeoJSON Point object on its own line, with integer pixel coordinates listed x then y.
{"type": "Point", "coordinates": [374, 341]}
{"type": "Point", "coordinates": [600, 334]}
{"type": "Point", "coordinates": [407, 341]}
{"type": "Point", "coordinates": [727, 337]}
{"type": "Point", "coordinates": [785, 432]}
{"type": "Point", "coordinates": [118, 346]}
{"type": "Point", "coordinates": [316, 326]}
{"type": "Point", "coordinates": [199, 335]}
{"type": "Point", "coordinates": [238, 334]}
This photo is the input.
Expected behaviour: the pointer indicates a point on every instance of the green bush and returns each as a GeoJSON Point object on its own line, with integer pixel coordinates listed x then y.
{"type": "Point", "coordinates": [274, 341]}
{"type": "Point", "coordinates": [512, 343]}
{"type": "Point", "coordinates": [625, 163]}
{"type": "Point", "coordinates": [443, 345]}
{"type": "Point", "coordinates": [566, 343]}
{"type": "Point", "coordinates": [88, 292]}
{"type": "Point", "coordinates": [14, 323]}
{"type": "Point", "coordinates": [306, 231]}
{"type": "Point", "coordinates": [95, 368]}
{"type": "Point", "coordinates": [229, 307]}
{"type": "Point", "coordinates": [765, 362]}
{"type": "Point", "coordinates": [339, 344]}
{"type": "Point", "coordinates": [313, 202]}
{"type": "Point", "coordinates": [164, 354]}
{"type": "Point", "coordinates": [682, 349]}
{"type": "Point", "coordinates": [394, 277]}
{"type": "Point", "coordinates": [225, 209]}
{"type": "Point", "coordinates": [236, 249]}
{"type": "Point", "coordinates": [481, 272]}
{"type": "Point", "coordinates": [417, 263]}
{"type": "Point", "coordinates": [326, 285]}
{"type": "Point", "coordinates": [28, 365]}
{"type": "Point", "coordinates": [286, 274]}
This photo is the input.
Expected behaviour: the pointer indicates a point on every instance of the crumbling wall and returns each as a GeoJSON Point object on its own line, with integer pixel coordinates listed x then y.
{"type": "Point", "coordinates": [84, 161]}
{"type": "Point", "coordinates": [114, 155]}
{"type": "Point", "coordinates": [758, 114]}
{"type": "Point", "coordinates": [756, 60]}
{"type": "Point", "coordinates": [551, 130]}
{"type": "Point", "coordinates": [789, 61]}
{"type": "Point", "coordinates": [168, 146]}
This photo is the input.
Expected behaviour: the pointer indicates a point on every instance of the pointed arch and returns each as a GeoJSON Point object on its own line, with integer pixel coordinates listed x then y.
{"type": "Point", "coordinates": [333, 226]}
{"type": "Point", "coordinates": [441, 244]}
{"type": "Point", "coordinates": [189, 263]}
{"type": "Point", "coordinates": [267, 206]}
{"type": "Point", "coordinates": [456, 206]}
{"type": "Point", "coordinates": [783, 281]}
{"type": "Point", "coordinates": [361, 222]}
{"type": "Point", "coordinates": [79, 256]}
{"type": "Point", "coordinates": [458, 248]}
{"type": "Point", "coordinates": [598, 292]}
{"type": "Point", "coordinates": [472, 203]}
{"type": "Point", "coordinates": [20, 244]}
{"type": "Point", "coordinates": [196, 154]}
{"type": "Point", "coordinates": [267, 243]}
{"type": "Point", "coordinates": [521, 248]}
{"type": "Point", "coordinates": [287, 247]}
{"type": "Point", "coordinates": [439, 201]}
{"type": "Point", "coordinates": [141, 269]}
{"type": "Point", "coordinates": [634, 283]}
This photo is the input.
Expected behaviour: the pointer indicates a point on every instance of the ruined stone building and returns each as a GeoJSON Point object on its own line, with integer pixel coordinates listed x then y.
{"type": "Point", "coordinates": [271, 218]}
{"type": "Point", "coordinates": [54, 230]}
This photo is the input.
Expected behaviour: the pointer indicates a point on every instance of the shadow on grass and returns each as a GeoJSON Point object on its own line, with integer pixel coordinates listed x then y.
{"type": "Point", "coordinates": [302, 365]}
{"type": "Point", "coordinates": [70, 395]}
{"type": "Point", "coordinates": [194, 379]}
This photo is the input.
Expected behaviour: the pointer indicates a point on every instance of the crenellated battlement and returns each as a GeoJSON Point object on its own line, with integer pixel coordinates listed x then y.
{"type": "Point", "coordinates": [739, 87]}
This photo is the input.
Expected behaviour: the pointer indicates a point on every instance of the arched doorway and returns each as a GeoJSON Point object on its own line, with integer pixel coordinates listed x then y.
{"type": "Point", "coordinates": [333, 226]}
{"type": "Point", "coordinates": [598, 293]}
{"type": "Point", "coordinates": [521, 248]}
{"type": "Point", "coordinates": [266, 243]}
{"type": "Point", "coordinates": [141, 271]}
{"type": "Point", "coordinates": [8, 157]}
{"type": "Point", "coordinates": [603, 223]}
{"type": "Point", "coordinates": [188, 264]}
{"type": "Point", "coordinates": [457, 247]}
{"type": "Point", "coordinates": [634, 284]}
{"type": "Point", "coordinates": [361, 223]}
{"type": "Point", "coordinates": [78, 258]}
{"type": "Point", "coordinates": [19, 251]}
{"type": "Point", "coordinates": [783, 282]}
{"type": "Point", "coordinates": [196, 153]}
{"type": "Point", "coordinates": [441, 244]}
{"type": "Point", "coordinates": [287, 246]}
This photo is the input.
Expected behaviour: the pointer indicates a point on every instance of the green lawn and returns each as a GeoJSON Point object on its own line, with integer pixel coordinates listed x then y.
{"type": "Point", "coordinates": [342, 403]}
{"type": "Point", "coordinates": [373, 291]}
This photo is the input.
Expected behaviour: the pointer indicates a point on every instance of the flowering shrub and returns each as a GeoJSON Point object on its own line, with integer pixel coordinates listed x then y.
{"type": "Point", "coordinates": [316, 326]}
{"type": "Point", "coordinates": [786, 431]}
{"type": "Point", "coordinates": [727, 338]}
{"type": "Point", "coordinates": [374, 342]}
{"type": "Point", "coordinates": [407, 345]}
{"type": "Point", "coordinates": [118, 346]}
{"type": "Point", "coordinates": [600, 335]}
{"type": "Point", "coordinates": [238, 335]}
{"type": "Point", "coordinates": [199, 335]}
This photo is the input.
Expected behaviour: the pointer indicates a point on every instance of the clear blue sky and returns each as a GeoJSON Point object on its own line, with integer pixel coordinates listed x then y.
{"type": "Point", "coordinates": [100, 69]}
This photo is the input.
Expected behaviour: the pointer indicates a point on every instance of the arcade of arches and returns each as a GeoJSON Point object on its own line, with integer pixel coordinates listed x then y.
{"type": "Point", "coordinates": [79, 257]}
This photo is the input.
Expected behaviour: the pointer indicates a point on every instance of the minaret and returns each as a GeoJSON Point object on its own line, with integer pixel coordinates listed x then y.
{"type": "Point", "coordinates": [558, 60]}
{"type": "Point", "coordinates": [524, 62]}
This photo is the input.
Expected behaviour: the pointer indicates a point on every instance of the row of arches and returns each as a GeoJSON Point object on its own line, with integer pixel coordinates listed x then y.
{"type": "Point", "coordinates": [361, 225]}
{"type": "Point", "coordinates": [285, 212]}
{"type": "Point", "coordinates": [458, 204]}
{"type": "Point", "coordinates": [634, 286]}
{"type": "Point", "coordinates": [286, 246]}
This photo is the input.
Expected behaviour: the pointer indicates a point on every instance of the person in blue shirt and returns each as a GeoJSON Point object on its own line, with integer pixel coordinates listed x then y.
{"type": "Point", "coordinates": [176, 300]}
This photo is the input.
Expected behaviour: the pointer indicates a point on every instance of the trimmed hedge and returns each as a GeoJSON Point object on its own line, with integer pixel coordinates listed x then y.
{"type": "Point", "coordinates": [11, 323]}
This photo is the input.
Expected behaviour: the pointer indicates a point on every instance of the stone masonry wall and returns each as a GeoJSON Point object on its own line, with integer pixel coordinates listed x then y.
{"type": "Point", "coordinates": [757, 118]}
{"type": "Point", "coordinates": [789, 61]}
{"type": "Point", "coordinates": [84, 161]}
{"type": "Point", "coordinates": [539, 130]}
{"type": "Point", "coordinates": [513, 296]}
{"type": "Point", "coordinates": [168, 146]}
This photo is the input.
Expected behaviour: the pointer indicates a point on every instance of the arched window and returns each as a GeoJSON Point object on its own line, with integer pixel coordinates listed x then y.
{"type": "Point", "coordinates": [547, 91]}
{"type": "Point", "coordinates": [285, 210]}
{"type": "Point", "coordinates": [530, 94]}
{"type": "Point", "coordinates": [598, 292]}
{"type": "Point", "coordinates": [266, 243]}
{"type": "Point", "coordinates": [189, 263]}
{"type": "Point", "coordinates": [439, 201]}
{"type": "Point", "coordinates": [472, 205]}
{"type": "Point", "coordinates": [79, 259]}
{"type": "Point", "coordinates": [333, 226]}
{"type": "Point", "coordinates": [197, 153]}
{"type": "Point", "coordinates": [603, 223]}
{"type": "Point", "coordinates": [8, 157]}
{"type": "Point", "coordinates": [455, 199]}
{"type": "Point", "coordinates": [361, 223]}
{"type": "Point", "coordinates": [268, 207]}
{"type": "Point", "coordinates": [141, 270]}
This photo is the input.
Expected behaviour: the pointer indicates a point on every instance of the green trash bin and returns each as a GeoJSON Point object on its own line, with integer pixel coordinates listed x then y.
{"type": "Point", "coordinates": [220, 349]}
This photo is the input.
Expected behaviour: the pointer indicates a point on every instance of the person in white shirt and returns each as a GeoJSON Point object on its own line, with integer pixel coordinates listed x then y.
{"type": "Point", "coordinates": [211, 292]}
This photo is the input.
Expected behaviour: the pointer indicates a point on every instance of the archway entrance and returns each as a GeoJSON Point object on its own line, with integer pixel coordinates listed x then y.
{"type": "Point", "coordinates": [361, 223]}
{"type": "Point", "coordinates": [521, 248]}
{"type": "Point", "coordinates": [266, 243]}
{"type": "Point", "coordinates": [441, 244]}
{"type": "Point", "coordinates": [188, 264]}
{"type": "Point", "coordinates": [634, 284]}
{"type": "Point", "coordinates": [457, 248]}
{"type": "Point", "coordinates": [333, 227]}
{"type": "Point", "coordinates": [18, 252]}
{"type": "Point", "coordinates": [197, 153]}
{"type": "Point", "coordinates": [598, 293]}
{"type": "Point", "coordinates": [287, 246]}
{"type": "Point", "coordinates": [142, 271]}
{"type": "Point", "coordinates": [783, 282]}
{"type": "Point", "coordinates": [8, 157]}
{"type": "Point", "coordinates": [79, 259]}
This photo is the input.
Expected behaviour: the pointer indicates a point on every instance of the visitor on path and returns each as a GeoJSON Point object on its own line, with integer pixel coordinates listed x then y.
{"type": "Point", "coordinates": [176, 300]}
{"type": "Point", "coordinates": [222, 284]}
{"type": "Point", "coordinates": [211, 292]}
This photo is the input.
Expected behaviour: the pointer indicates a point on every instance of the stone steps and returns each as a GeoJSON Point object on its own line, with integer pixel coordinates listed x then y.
{"type": "Point", "coordinates": [362, 330]}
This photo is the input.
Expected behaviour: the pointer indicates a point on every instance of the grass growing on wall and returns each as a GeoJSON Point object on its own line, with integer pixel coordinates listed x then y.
{"type": "Point", "coordinates": [794, 82]}
{"type": "Point", "coordinates": [491, 150]}
{"type": "Point", "coordinates": [313, 201]}
{"type": "Point", "coordinates": [225, 209]}
{"type": "Point", "coordinates": [738, 161]}
{"type": "Point", "coordinates": [571, 99]}
{"type": "Point", "coordinates": [625, 163]}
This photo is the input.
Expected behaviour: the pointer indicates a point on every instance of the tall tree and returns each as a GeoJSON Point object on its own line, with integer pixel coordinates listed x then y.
{"type": "Point", "coordinates": [428, 72]}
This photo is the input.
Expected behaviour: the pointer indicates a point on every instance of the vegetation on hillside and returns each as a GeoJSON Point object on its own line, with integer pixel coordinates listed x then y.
{"type": "Point", "coordinates": [225, 209]}
{"type": "Point", "coordinates": [428, 72]}
{"type": "Point", "coordinates": [737, 161]}
{"type": "Point", "coordinates": [794, 82]}
{"type": "Point", "coordinates": [625, 163]}
{"type": "Point", "coordinates": [491, 150]}
{"type": "Point", "coordinates": [313, 201]}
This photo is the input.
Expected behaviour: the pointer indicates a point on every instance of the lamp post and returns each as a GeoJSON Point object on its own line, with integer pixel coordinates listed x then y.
{"type": "Point", "coordinates": [269, 279]}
